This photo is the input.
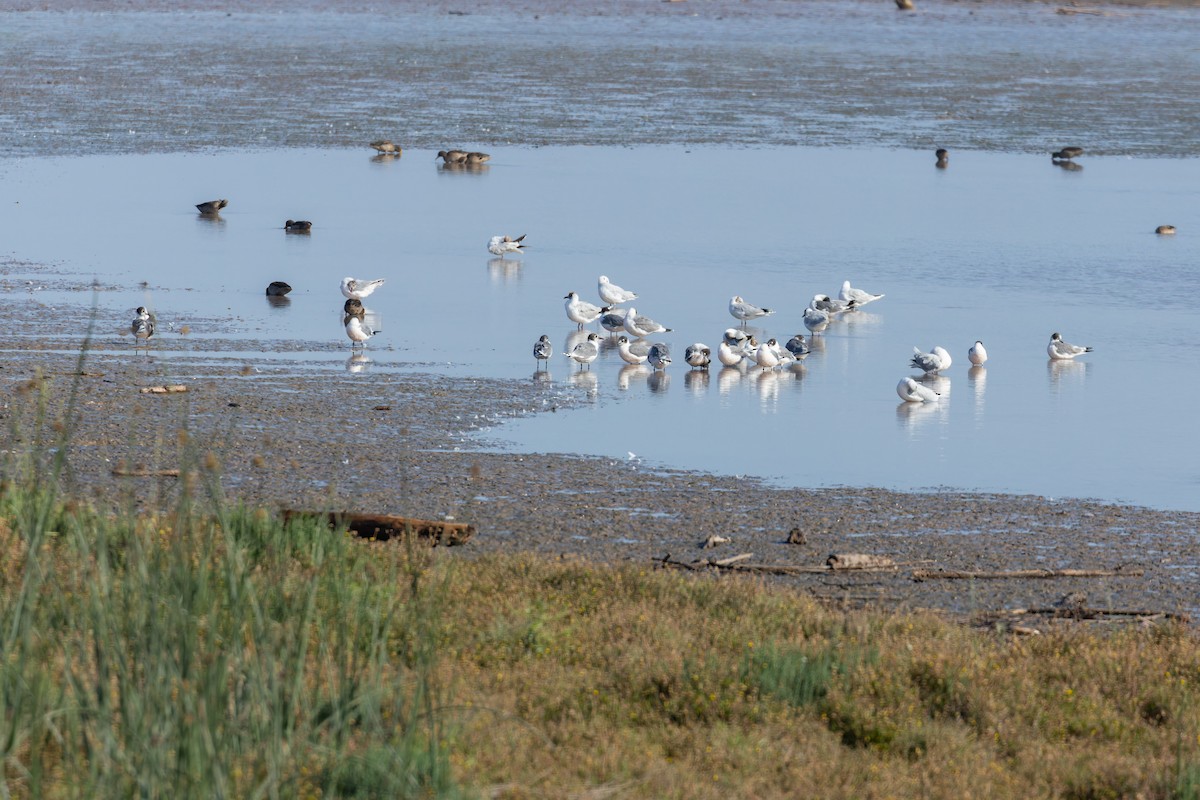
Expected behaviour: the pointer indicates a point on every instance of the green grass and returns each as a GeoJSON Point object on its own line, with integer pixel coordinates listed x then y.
{"type": "Point", "coordinates": [210, 651]}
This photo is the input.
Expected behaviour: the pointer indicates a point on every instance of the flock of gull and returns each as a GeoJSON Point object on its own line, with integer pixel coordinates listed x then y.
{"type": "Point", "coordinates": [740, 349]}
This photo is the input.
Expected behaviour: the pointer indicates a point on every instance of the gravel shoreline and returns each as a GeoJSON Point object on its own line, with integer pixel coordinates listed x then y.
{"type": "Point", "coordinates": [308, 436]}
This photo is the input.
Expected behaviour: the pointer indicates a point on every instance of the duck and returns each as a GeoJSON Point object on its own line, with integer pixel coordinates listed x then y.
{"type": "Point", "coordinates": [943, 158]}
{"type": "Point", "coordinates": [1165, 230]}
{"type": "Point", "coordinates": [278, 289]}
{"type": "Point", "coordinates": [451, 156]}
{"type": "Point", "coordinates": [211, 206]}
{"type": "Point", "coordinates": [297, 226]}
{"type": "Point", "coordinates": [1067, 153]}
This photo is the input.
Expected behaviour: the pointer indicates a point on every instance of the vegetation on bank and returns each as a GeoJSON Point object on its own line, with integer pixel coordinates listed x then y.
{"type": "Point", "coordinates": [213, 652]}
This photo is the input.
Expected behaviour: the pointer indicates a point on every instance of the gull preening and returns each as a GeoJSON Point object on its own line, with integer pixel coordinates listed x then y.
{"type": "Point", "coordinates": [911, 391]}
{"type": "Point", "coordinates": [142, 326]}
{"type": "Point", "coordinates": [640, 325]}
{"type": "Point", "coordinates": [612, 294]}
{"type": "Point", "coordinates": [586, 351]}
{"type": "Point", "coordinates": [211, 207]}
{"type": "Point", "coordinates": [659, 355]}
{"type": "Point", "coordinates": [859, 296]}
{"type": "Point", "coordinates": [356, 289]}
{"type": "Point", "coordinates": [935, 360]}
{"type": "Point", "coordinates": [1058, 350]}
{"type": "Point", "coordinates": [581, 312]}
{"type": "Point", "coordinates": [744, 311]}
{"type": "Point", "coordinates": [633, 353]}
{"type": "Point", "coordinates": [698, 355]}
{"type": "Point", "coordinates": [500, 245]}
{"type": "Point", "coordinates": [977, 354]}
{"type": "Point", "coordinates": [542, 350]}
{"type": "Point", "coordinates": [358, 332]}
{"type": "Point", "coordinates": [729, 352]}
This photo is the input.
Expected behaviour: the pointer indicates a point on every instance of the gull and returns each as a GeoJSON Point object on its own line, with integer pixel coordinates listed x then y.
{"type": "Point", "coordinates": [698, 355]}
{"type": "Point", "coordinates": [977, 354]}
{"type": "Point", "coordinates": [767, 356]}
{"type": "Point", "coordinates": [1058, 350]}
{"type": "Point", "coordinates": [581, 312]}
{"type": "Point", "coordinates": [211, 206]}
{"type": "Point", "coordinates": [797, 346]}
{"type": "Point", "coordinates": [542, 349]}
{"type": "Point", "coordinates": [640, 325]}
{"type": "Point", "coordinates": [815, 320]}
{"type": "Point", "coordinates": [744, 311]}
{"type": "Point", "coordinates": [635, 353]}
{"type": "Point", "coordinates": [297, 226]}
{"type": "Point", "coordinates": [823, 302]}
{"type": "Point", "coordinates": [613, 320]}
{"type": "Point", "coordinates": [142, 325]}
{"type": "Point", "coordinates": [729, 356]}
{"type": "Point", "coordinates": [278, 289]}
{"type": "Point", "coordinates": [860, 296]}
{"type": "Point", "coordinates": [499, 245]}
{"type": "Point", "coordinates": [933, 361]}
{"type": "Point", "coordinates": [356, 289]}
{"type": "Point", "coordinates": [659, 355]}
{"type": "Point", "coordinates": [384, 146]}
{"type": "Point", "coordinates": [357, 331]}
{"type": "Point", "coordinates": [585, 352]}
{"type": "Point", "coordinates": [735, 337]}
{"type": "Point", "coordinates": [911, 391]}
{"type": "Point", "coordinates": [612, 294]}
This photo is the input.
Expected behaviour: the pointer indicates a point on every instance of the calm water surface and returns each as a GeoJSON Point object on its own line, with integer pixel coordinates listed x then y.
{"type": "Point", "coordinates": [1000, 247]}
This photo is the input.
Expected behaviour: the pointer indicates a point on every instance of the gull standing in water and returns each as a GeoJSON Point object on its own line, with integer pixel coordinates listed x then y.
{"type": "Point", "coordinates": [859, 296]}
{"type": "Point", "coordinates": [911, 391]}
{"type": "Point", "coordinates": [542, 350]}
{"type": "Point", "coordinates": [355, 289]}
{"type": "Point", "coordinates": [698, 355]}
{"type": "Point", "coordinates": [935, 360]}
{"type": "Point", "coordinates": [357, 331]}
{"type": "Point", "coordinates": [611, 294]}
{"type": "Point", "coordinates": [635, 353]}
{"type": "Point", "coordinates": [499, 245]}
{"type": "Point", "coordinates": [767, 356]}
{"type": "Point", "coordinates": [741, 310]}
{"type": "Point", "coordinates": [729, 355]}
{"type": "Point", "coordinates": [659, 355]}
{"type": "Point", "coordinates": [640, 325]}
{"type": "Point", "coordinates": [977, 354]}
{"type": "Point", "coordinates": [142, 325]}
{"type": "Point", "coordinates": [586, 352]}
{"type": "Point", "coordinates": [815, 320]}
{"type": "Point", "coordinates": [613, 320]}
{"type": "Point", "coordinates": [1058, 350]}
{"type": "Point", "coordinates": [581, 312]}
{"type": "Point", "coordinates": [797, 346]}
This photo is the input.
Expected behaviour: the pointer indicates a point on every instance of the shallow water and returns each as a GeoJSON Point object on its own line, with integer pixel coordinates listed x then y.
{"type": "Point", "coordinates": [1000, 247]}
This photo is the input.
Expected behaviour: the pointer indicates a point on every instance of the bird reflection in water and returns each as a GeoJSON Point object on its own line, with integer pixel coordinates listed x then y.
{"type": "Point", "coordinates": [1066, 373]}
{"type": "Point", "coordinates": [978, 377]}
{"type": "Point", "coordinates": [659, 381]}
{"type": "Point", "coordinates": [696, 381]}
{"type": "Point", "coordinates": [357, 363]}
{"type": "Point", "coordinates": [501, 270]}
{"type": "Point", "coordinates": [728, 378]}
{"type": "Point", "coordinates": [631, 372]}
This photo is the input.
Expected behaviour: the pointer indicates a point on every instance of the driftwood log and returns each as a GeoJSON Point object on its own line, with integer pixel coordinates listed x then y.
{"type": "Point", "coordinates": [946, 574]}
{"type": "Point", "coordinates": [122, 472]}
{"type": "Point", "coordinates": [1082, 613]}
{"type": "Point", "coordinates": [737, 564]}
{"type": "Point", "coordinates": [175, 388]}
{"type": "Point", "coordinates": [386, 527]}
